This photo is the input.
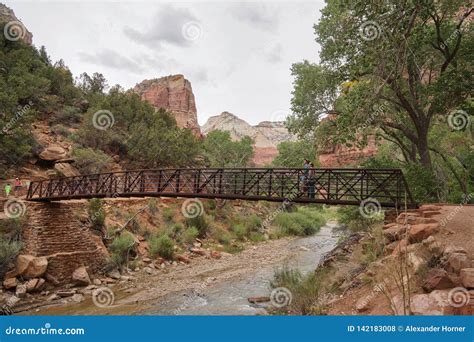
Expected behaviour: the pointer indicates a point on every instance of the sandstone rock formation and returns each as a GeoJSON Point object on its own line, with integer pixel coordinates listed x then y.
{"type": "Point", "coordinates": [267, 135]}
{"type": "Point", "coordinates": [15, 29]}
{"type": "Point", "coordinates": [80, 276]}
{"type": "Point", "coordinates": [29, 266]}
{"type": "Point", "coordinates": [173, 93]}
{"type": "Point", "coordinates": [53, 153]}
{"type": "Point", "coordinates": [337, 155]}
{"type": "Point", "coordinates": [341, 155]}
{"type": "Point", "coordinates": [66, 169]}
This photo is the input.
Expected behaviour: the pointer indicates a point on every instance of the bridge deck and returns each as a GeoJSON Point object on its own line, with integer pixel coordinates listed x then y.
{"type": "Point", "coordinates": [331, 186]}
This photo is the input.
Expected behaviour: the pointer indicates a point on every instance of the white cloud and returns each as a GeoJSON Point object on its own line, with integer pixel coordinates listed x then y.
{"type": "Point", "coordinates": [241, 62]}
{"type": "Point", "coordinates": [169, 27]}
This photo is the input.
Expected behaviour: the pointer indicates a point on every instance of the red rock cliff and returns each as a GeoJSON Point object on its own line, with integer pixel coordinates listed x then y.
{"type": "Point", "coordinates": [341, 155]}
{"type": "Point", "coordinates": [173, 93]}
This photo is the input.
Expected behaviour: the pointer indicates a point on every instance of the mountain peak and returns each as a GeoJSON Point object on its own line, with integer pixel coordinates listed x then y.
{"type": "Point", "coordinates": [266, 135]}
{"type": "Point", "coordinates": [14, 29]}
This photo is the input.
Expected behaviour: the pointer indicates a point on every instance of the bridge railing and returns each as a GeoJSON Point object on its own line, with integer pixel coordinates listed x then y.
{"type": "Point", "coordinates": [331, 186]}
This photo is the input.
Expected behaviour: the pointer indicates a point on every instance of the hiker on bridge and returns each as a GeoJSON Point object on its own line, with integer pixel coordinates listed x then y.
{"type": "Point", "coordinates": [304, 177]}
{"type": "Point", "coordinates": [311, 182]}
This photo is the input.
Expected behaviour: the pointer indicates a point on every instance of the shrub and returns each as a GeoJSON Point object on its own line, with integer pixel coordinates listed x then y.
{"type": "Point", "coordinates": [89, 161]}
{"type": "Point", "coordinates": [8, 252]}
{"type": "Point", "coordinates": [132, 223]}
{"type": "Point", "coordinates": [305, 290]}
{"type": "Point", "coordinates": [233, 248]}
{"type": "Point", "coordinates": [253, 223]}
{"type": "Point", "coordinates": [212, 204]}
{"type": "Point", "coordinates": [175, 230]}
{"type": "Point", "coordinates": [190, 235]}
{"type": "Point", "coordinates": [60, 130]}
{"type": "Point", "coordinates": [352, 218]}
{"type": "Point", "coordinates": [11, 228]}
{"type": "Point", "coordinates": [200, 223]}
{"type": "Point", "coordinates": [256, 237]}
{"type": "Point", "coordinates": [302, 222]}
{"type": "Point", "coordinates": [96, 214]}
{"type": "Point", "coordinates": [374, 246]}
{"type": "Point", "coordinates": [240, 231]}
{"type": "Point", "coordinates": [286, 277]}
{"type": "Point", "coordinates": [120, 249]}
{"type": "Point", "coordinates": [221, 235]}
{"type": "Point", "coordinates": [152, 206]}
{"type": "Point", "coordinates": [168, 214]}
{"type": "Point", "coordinates": [162, 246]}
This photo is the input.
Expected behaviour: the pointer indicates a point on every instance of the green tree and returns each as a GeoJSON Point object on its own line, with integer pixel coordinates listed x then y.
{"type": "Point", "coordinates": [393, 69]}
{"type": "Point", "coordinates": [220, 151]}
{"type": "Point", "coordinates": [156, 141]}
{"type": "Point", "coordinates": [95, 84]}
{"type": "Point", "coordinates": [292, 153]}
{"type": "Point", "coordinates": [388, 73]}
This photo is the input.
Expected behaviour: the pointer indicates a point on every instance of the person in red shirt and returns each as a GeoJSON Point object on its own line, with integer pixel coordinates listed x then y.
{"type": "Point", "coordinates": [17, 186]}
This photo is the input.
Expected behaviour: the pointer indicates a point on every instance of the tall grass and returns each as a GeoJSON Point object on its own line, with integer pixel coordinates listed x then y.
{"type": "Point", "coordinates": [301, 222]}
{"type": "Point", "coordinates": [305, 289]}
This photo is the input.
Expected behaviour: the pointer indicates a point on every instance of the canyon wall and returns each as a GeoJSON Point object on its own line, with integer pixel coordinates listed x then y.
{"type": "Point", "coordinates": [175, 94]}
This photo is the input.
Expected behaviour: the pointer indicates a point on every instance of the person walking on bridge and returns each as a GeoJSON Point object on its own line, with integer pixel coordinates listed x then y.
{"type": "Point", "coordinates": [304, 177]}
{"type": "Point", "coordinates": [311, 182]}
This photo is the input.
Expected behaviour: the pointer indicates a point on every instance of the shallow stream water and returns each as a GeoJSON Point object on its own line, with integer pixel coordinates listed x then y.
{"type": "Point", "coordinates": [231, 298]}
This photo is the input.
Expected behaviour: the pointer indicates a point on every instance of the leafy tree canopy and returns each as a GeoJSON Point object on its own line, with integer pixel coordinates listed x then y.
{"type": "Point", "coordinates": [220, 151]}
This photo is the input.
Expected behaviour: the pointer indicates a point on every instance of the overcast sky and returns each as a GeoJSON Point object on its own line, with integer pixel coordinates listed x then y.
{"type": "Point", "coordinates": [237, 55]}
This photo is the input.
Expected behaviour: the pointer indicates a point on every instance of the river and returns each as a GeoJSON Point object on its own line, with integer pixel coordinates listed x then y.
{"type": "Point", "coordinates": [210, 286]}
{"type": "Point", "coordinates": [231, 297]}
